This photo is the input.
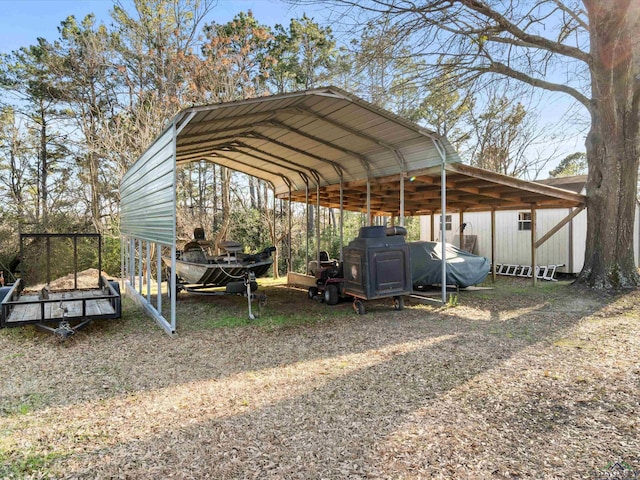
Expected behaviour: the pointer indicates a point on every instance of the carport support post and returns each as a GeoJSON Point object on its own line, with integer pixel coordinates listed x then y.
{"type": "Point", "coordinates": [159, 278]}
{"type": "Point", "coordinates": [493, 245]}
{"type": "Point", "coordinates": [318, 225]}
{"type": "Point", "coordinates": [341, 217]}
{"type": "Point", "coordinates": [132, 262]}
{"type": "Point", "coordinates": [306, 228]}
{"type": "Point", "coordinates": [401, 199]}
{"type": "Point", "coordinates": [369, 223]}
{"type": "Point", "coordinates": [276, 273]}
{"type": "Point", "coordinates": [148, 272]}
{"type": "Point", "coordinates": [289, 221]}
{"type": "Point", "coordinates": [443, 239]}
{"type": "Point", "coordinates": [534, 274]}
{"type": "Point", "coordinates": [140, 266]}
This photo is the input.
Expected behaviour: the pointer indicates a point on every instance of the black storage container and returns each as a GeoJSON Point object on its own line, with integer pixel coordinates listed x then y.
{"type": "Point", "coordinates": [377, 265]}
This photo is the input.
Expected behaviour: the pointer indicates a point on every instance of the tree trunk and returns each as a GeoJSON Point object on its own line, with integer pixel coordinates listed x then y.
{"type": "Point", "coordinates": [44, 166]}
{"type": "Point", "coordinates": [225, 197]}
{"type": "Point", "coordinates": [612, 146]}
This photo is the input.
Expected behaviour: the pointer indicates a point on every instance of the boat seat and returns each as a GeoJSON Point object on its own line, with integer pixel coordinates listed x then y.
{"type": "Point", "coordinates": [194, 253]}
{"type": "Point", "coordinates": [230, 246]}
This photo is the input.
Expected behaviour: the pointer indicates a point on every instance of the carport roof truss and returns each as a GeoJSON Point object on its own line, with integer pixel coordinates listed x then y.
{"type": "Point", "coordinates": [325, 140]}
{"type": "Point", "coordinates": [469, 189]}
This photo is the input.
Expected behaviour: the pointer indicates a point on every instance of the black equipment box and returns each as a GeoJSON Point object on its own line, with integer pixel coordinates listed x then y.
{"type": "Point", "coordinates": [377, 264]}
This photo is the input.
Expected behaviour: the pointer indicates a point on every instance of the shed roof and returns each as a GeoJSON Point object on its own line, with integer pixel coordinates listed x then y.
{"type": "Point", "coordinates": [318, 139]}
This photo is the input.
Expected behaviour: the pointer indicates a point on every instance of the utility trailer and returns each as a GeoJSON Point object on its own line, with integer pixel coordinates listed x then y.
{"type": "Point", "coordinates": [61, 311]}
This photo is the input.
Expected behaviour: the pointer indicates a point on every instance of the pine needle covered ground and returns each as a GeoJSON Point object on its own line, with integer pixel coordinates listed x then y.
{"type": "Point", "coordinates": [514, 382]}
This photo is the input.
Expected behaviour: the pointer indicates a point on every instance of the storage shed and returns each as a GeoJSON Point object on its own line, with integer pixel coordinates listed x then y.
{"type": "Point", "coordinates": [565, 249]}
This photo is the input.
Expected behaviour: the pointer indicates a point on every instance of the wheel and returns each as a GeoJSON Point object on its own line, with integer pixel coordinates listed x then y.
{"type": "Point", "coordinates": [358, 306]}
{"type": "Point", "coordinates": [312, 292]}
{"type": "Point", "coordinates": [398, 303]}
{"type": "Point", "coordinates": [331, 295]}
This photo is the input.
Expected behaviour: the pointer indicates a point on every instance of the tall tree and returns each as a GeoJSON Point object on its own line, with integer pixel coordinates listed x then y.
{"type": "Point", "coordinates": [446, 108]}
{"type": "Point", "coordinates": [85, 73]}
{"type": "Point", "coordinates": [27, 74]}
{"type": "Point", "coordinates": [573, 164]}
{"type": "Point", "coordinates": [236, 59]}
{"type": "Point", "coordinates": [587, 50]}
{"type": "Point", "coordinates": [158, 50]}
{"type": "Point", "coordinates": [507, 139]}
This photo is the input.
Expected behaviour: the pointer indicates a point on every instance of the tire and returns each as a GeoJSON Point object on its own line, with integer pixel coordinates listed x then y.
{"type": "Point", "coordinates": [398, 303]}
{"type": "Point", "coordinates": [235, 287]}
{"type": "Point", "coordinates": [358, 306]}
{"type": "Point", "coordinates": [331, 296]}
{"type": "Point", "coordinates": [312, 292]}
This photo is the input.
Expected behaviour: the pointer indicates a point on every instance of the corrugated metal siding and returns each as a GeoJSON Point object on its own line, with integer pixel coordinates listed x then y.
{"type": "Point", "coordinates": [148, 193]}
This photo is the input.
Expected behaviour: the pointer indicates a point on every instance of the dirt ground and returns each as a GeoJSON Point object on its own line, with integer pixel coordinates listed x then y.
{"type": "Point", "coordinates": [512, 382]}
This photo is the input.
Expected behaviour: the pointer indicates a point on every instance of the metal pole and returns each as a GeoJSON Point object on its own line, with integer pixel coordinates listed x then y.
{"type": "Point", "coordinates": [401, 199]}
{"type": "Point", "coordinates": [275, 234]}
{"type": "Point", "coordinates": [306, 229]}
{"type": "Point", "coordinates": [318, 225]}
{"type": "Point", "coordinates": [493, 245]}
{"type": "Point", "coordinates": [48, 260]}
{"type": "Point", "coordinates": [341, 217]}
{"type": "Point", "coordinates": [443, 208]}
{"type": "Point", "coordinates": [533, 246]}
{"type": "Point", "coordinates": [159, 279]}
{"type": "Point", "coordinates": [132, 262]}
{"type": "Point", "coordinates": [75, 263]}
{"type": "Point", "coordinates": [148, 275]}
{"type": "Point", "coordinates": [368, 202]}
{"type": "Point", "coordinates": [290, 233]}
{"type": "Point", "coordinates": [140, 267]}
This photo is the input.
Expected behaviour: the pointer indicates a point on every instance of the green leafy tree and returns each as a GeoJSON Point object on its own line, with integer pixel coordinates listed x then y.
{"type": "Point", "coordinates": [573, 164]}
{"type": "Point", "coordinates": [26, 74]}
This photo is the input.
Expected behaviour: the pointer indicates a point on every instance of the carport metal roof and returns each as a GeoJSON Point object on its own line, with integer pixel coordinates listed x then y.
{"type": "Point", "coordinates": [325, 140]}
{"type": "Point", "coordinates": [309, 139]}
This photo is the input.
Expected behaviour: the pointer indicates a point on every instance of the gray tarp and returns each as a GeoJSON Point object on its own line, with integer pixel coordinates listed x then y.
{"type": "Point", "coordinates": [463, 268]}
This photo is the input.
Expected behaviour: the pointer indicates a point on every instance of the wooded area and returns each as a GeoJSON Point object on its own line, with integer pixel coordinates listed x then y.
{"type": "Point", "coordinates": [77, 110]}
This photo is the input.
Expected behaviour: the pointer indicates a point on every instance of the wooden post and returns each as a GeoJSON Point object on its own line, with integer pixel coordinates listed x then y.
{"type": "Point", "coordinates": [533, 246]}
{"type": "Point", "coordinates": [433, 226]}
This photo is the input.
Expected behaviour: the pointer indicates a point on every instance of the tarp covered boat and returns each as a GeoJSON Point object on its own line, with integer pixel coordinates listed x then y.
{"type": "Point", "coordinates": [463, 268]}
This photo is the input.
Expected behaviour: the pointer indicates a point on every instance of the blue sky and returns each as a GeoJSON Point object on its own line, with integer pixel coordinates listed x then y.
{"type": "Point", "coordinates": [23, 21]}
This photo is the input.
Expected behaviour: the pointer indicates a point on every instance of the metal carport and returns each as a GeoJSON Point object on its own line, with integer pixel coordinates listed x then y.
{"type": "Point", "coordinates": [323, 146]}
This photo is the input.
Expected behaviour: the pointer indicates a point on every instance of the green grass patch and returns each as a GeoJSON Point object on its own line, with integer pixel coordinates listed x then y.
{"type": "Point", "coordinates": [21, 466]}
{"type": "Point", "coordinates": [22, 405]}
